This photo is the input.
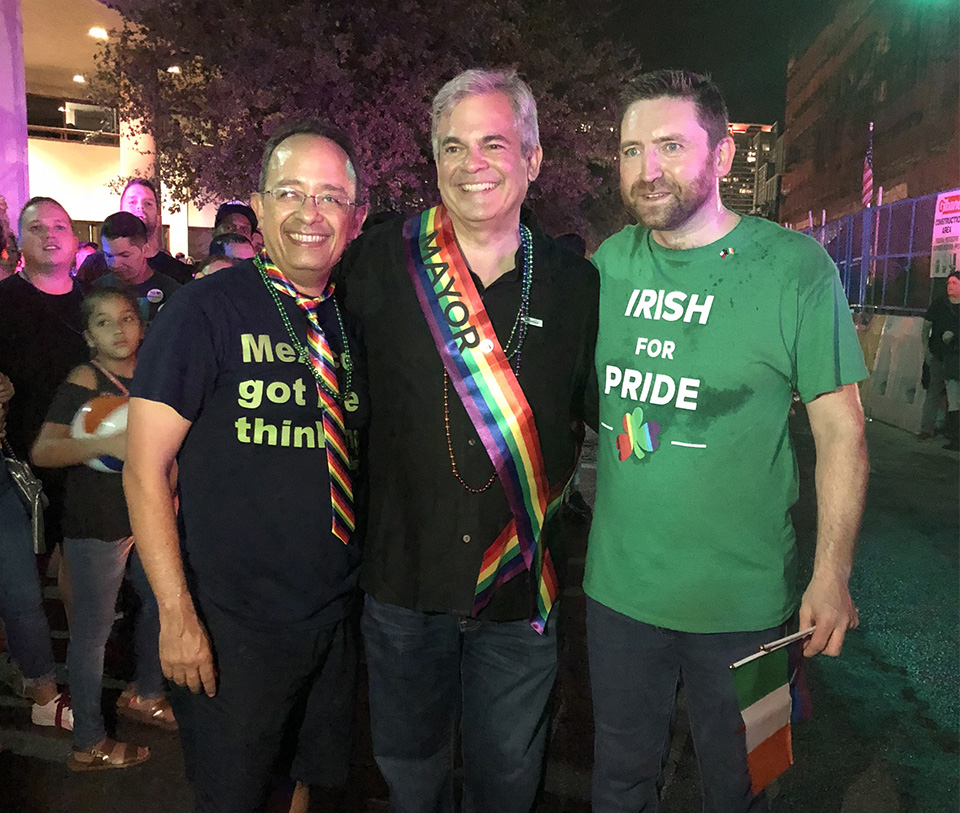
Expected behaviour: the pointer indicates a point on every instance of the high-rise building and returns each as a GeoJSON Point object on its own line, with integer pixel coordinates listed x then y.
{"type": "Point", "coordinates": [737, 188]}
{"type": "Point", "coordinates": [889, 62]}
{"type": "Point", "coordinates": [768, 146]}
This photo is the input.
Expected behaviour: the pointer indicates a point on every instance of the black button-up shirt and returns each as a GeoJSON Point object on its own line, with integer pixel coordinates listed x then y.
{"type": "Point", "coordinates": [426, 534]}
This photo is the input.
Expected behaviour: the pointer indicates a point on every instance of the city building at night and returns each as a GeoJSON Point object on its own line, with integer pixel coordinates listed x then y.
{"type": "Point", "coordinates": [768, 148]}
{"type": "Point", "coordinates": [889, 62]}
{"type": "Point", "coordinates": [737, 188]}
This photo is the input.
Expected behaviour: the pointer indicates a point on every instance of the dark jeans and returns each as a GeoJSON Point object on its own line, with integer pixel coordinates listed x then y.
{"type": "Point", "coordinates": [273, 686]}
{"type": "Point", "coordinates": [634, 670]}
{"type": "Point", "coordinates": [96, 573]}
{"type": "Point", "coordinates": [21, 603]}
{"type": "Point", "coordinates": [432, 674]}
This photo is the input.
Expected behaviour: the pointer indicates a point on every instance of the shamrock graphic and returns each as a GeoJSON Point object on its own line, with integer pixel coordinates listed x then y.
{"type": "Point", "coordinates": [637, 437]}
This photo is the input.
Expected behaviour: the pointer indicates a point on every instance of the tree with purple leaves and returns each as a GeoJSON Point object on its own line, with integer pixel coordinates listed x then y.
{"type": "Point", "coordinates": [245, 66]}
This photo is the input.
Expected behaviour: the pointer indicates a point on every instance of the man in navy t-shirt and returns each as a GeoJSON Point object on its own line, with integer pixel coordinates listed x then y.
{"type": "Point", "coordinates": [249, 383]}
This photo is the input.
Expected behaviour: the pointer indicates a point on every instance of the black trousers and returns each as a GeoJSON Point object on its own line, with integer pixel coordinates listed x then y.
{"type": "Point", "coordinates": [274, 688]}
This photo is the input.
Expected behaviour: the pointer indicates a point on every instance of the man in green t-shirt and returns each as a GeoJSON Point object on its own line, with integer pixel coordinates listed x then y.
{"type": "Point", "coordinates": [709, 322]}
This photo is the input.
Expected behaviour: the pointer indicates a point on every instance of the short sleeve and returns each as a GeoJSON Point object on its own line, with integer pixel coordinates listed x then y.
{"type": "Point", "coordinates": [179, 359]}
{"type": "Point", "coordinates": [68, 399]}
{"type": "Point", "coordinates": [828, 354]}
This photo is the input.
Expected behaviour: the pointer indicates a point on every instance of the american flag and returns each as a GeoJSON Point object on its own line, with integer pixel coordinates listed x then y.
{"type": "Point", "coordinates": [867, 188]}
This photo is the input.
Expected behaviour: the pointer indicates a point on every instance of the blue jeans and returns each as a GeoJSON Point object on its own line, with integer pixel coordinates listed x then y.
{"type": "Point", "coordinates": [634, 672]}
{"type": "Point", "coordinates": [431, 674]}
{"type": "Point", "coordinates": [96, 572]}
{"type": "Point", "coordinates": [21, 603]}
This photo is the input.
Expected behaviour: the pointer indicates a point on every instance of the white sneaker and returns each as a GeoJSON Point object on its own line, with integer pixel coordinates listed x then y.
{"type": "Point", "coordinates": [55, 713]}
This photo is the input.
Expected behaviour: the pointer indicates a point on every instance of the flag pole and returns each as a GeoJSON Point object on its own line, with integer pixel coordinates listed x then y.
{"type": "Point", "coordinates": [773, 646]}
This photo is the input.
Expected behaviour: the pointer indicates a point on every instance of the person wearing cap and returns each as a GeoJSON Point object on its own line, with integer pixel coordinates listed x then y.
{"type": "Point", "coordinates": [235, 217]}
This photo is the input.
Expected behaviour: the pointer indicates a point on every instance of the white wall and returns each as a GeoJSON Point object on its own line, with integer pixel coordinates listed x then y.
{"type": "Point", "coordinates": [893, 393]}
{"type": "Point", "coordinates": [77, 175]}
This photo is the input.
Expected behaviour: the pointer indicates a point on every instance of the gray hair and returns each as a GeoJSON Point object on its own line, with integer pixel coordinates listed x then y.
{"type": "Point", "coordinates": [478, 82]}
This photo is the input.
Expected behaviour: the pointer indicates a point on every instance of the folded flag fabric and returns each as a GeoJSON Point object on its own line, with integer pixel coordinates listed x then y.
{"type": "Point", "coordinates": [763, 691]}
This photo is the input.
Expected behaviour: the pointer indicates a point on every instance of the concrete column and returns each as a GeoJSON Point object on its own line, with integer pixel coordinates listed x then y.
{"type": "Point", "coordinates": [136, 150]}
{"type": "Point", "coordinates": [179, 223]}
{"type": "Point", "coordinates": [14, 173]}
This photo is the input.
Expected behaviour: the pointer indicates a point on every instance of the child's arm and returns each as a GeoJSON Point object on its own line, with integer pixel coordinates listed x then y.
{"type": "Point", "coordinates": [55, 449]}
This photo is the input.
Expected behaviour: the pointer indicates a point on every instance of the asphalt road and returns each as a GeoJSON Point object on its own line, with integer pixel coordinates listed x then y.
{"type": "Point", "coordinates": [883, 739]}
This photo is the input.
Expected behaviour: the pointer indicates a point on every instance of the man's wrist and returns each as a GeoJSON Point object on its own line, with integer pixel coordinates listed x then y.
{"type": "Point", "coordinates": [831, 572]}
{"type": "Point", "coordinates": [176, 603]}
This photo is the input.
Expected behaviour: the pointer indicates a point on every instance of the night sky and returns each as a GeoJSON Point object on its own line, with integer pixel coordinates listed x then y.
{"type": "Point", "coordinates": [744, 44]}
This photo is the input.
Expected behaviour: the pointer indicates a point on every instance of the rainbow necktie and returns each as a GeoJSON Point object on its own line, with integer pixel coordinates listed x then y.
{"type": "Point", "coordinates": [321, 359]}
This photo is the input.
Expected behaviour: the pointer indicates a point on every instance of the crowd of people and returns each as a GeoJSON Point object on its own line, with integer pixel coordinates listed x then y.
{"type": "Point", "coordinates": [340, 436]}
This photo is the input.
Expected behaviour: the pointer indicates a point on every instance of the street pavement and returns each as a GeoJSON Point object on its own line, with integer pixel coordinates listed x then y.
{"type": "Point", "coordinates": [884, 734]}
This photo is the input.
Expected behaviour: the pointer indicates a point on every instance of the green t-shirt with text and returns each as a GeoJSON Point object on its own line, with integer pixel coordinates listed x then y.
{"type": "Point", "coordinates": [698, 355]}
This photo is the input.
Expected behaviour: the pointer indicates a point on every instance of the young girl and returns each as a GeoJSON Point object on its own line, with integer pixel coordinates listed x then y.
{"type": "Point", "coordinates": [97, 539]}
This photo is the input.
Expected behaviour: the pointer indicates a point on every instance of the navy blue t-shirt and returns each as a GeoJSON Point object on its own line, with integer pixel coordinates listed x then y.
{"type": "Point", "coordinates": [254, 492]}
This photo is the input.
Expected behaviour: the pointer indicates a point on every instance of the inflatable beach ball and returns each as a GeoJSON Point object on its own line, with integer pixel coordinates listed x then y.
{"type": "Point", "coordinates": [101, 417]}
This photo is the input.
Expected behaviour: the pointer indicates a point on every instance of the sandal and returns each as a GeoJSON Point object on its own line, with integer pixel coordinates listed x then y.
{"type": "Point", "coordinates": [150, 711]}
{"type": "Point", "coordinates": [108, 754]}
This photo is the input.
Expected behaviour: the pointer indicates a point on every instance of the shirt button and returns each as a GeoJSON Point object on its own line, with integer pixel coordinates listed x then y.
{"type": "Point", "coordinates": [466, 538]}
{"type": "Point", "coordinates": [471, 442]}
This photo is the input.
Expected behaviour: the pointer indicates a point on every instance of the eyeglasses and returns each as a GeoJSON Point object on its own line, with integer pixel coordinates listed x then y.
{"type": "Point", "coordinates": [292, 200]}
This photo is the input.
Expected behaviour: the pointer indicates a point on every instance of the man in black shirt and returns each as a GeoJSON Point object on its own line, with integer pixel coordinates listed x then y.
{"type": "Point", "coordinates": [41, 337]}
{"type": "Point", "coordinates": [124, 240]}
{"type": "Point", "coordinates": [140, 198]}
{"type": "Point", "coordinates": [247, 380]}
{"type": "Point", "coordinates": [941, 344]}
{"type": "Point", "coordinates": [235, 217]}
{"type": "Point", "coordinates": [479, 335]}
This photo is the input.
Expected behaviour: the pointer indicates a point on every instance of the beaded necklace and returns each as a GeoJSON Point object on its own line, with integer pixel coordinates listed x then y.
{"type": "Point", "coordinates": [303, 355]}
{"type": "Point", "coordinates": [513, 352]}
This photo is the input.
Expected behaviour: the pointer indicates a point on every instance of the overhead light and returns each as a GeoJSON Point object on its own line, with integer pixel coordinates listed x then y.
{"type": "Point", "coordinates": [98, 33]}
{"type": "Point", "coordinates": [173, 69]}
{"type": "Point", "coordinates": [78, 78]}
{"type": "Point", "coordinates": [62, 109]}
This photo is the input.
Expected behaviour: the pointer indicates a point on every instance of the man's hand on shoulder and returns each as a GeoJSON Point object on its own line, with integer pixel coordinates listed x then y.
{"type": "Point", "coordinates": [827, 605]}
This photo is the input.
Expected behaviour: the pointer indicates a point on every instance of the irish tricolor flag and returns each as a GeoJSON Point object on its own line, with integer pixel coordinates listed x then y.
{"type": "Point", "coordinates": [763, 690]}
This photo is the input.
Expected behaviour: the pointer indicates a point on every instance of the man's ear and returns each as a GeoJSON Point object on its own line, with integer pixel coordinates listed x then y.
{"type": "Point", "coordinates": [256, 203]}
{"type": "Point", "coordinates": [359, 217]}
{"type": "Point", "coordinates": [723, 154]}
{"type": "Point", "coordinates": [533, 163]}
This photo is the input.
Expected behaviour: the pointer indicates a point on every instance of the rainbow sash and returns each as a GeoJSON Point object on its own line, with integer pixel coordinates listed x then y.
{"type": "Point", "coordinates": [495, 403]}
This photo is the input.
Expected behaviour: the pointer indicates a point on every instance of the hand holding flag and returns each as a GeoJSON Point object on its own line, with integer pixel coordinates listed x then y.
{"type": "Point", "coordinates": [827, 605]}
{"type": "Point", "coordinates": [762, 683]}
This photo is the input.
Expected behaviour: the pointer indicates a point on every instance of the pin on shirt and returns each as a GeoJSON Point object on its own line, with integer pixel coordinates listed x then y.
{"type": "Point", "coordinates": [533, 321]}
{"type": "Point", "coordinates": [727, 252]}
